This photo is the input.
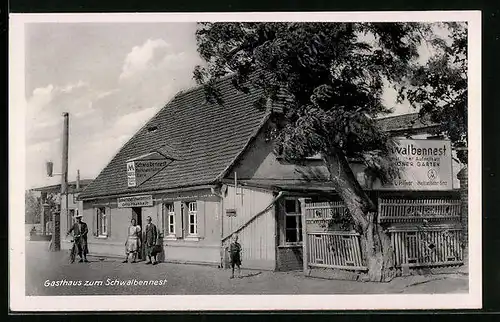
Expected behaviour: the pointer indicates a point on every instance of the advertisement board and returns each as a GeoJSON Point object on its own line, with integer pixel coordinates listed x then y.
{"type": "Point", "coordinates": [422, 165]}
{"type": "Point", "coordinates": [143, 168]}
{"type": "Point", "coordinates": [135, 201]}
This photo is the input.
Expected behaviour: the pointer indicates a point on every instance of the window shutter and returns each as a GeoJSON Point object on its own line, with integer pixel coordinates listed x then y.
{"type": "Point", "coordinates": [200, 207]}
{"type": "Point", "coordinates": [178, 219]}
{"type": "Point", "coordinates": [108, 218]}
{"type": "Point", "coordinates": [159, 218]}
{"type": "Point", "coordinates": [95, 213]}
{"type": "Point", "coordinates": [185, 218]}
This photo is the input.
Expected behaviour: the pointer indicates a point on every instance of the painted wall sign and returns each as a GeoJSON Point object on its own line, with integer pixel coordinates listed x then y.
{"type": "Point", "coordinates": [135, 201]}
{"type": "Point", "coordinates": [131, 174]}
{"type": "Point", "coordinates": [143, 168]}
{"type": "Point", "coordinates": [422, 165]}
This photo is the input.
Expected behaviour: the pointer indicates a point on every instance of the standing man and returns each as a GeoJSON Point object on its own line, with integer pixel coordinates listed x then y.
{"type": "Point", "coordinates": [150, 241]}
{"type": "Point", "coordinates": [80, 231]}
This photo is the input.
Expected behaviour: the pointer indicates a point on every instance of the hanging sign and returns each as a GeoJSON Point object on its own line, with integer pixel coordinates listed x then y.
{"type": "Point", "coordinates": [422, 165]}
{"type": "Point", "coordinates": [135, 201]}
{"type": "Point", "coordinates": [143, 168]}
{"type": "Point", "coordinates": [131, 174]}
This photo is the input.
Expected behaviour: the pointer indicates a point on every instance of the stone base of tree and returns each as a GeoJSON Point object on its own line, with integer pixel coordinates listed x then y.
{"type": "Point", "coordinates": [339, 274]}
{"type": "Point", "coordinates": [336, 274]}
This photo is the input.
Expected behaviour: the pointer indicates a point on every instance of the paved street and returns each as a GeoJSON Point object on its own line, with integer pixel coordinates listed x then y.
{"type": "Point", "coordinates": [44, 267]}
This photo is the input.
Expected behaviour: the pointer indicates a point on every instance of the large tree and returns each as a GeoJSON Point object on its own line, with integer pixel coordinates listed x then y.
{"type": "Point", "coordinates": [329, 79]}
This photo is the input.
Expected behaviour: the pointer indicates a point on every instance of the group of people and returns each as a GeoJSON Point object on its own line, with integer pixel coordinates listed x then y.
{"type": "Point", "coordinates": [80, 230]}
{"type": "Point", "coordinates": [133, 243]}
{"type": "Point", "coordinates": [134, 240]}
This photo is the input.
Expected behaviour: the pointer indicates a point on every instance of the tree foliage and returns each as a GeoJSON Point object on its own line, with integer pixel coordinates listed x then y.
{"type": "Point", "coordinates": [33, 209]}
{"type": "Point", "coordinates": [439, 88]}
{"type": "Point", "coordinates": [53, 201]}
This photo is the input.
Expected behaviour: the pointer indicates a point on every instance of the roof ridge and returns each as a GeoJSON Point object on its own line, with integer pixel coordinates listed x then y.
{"type": "Point", "coordinates": [198, 86]}
{"type": "Point", "coordinates": [180, 111]}
{"type": "Point", "coordinates": [262, 123]}
{"type": "Point", "coordinates": [394, 116]}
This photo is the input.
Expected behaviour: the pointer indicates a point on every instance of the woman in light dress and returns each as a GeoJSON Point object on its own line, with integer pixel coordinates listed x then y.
{"type": "Point", "coordinates": [133, 243]}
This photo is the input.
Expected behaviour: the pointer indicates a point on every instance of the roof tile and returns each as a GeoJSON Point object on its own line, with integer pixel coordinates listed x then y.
{"type": "Point", "coordinates": [204, 138]}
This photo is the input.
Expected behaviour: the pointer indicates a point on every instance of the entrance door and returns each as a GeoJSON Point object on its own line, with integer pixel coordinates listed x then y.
{"type": "Point", "coordinates": [137, 215]}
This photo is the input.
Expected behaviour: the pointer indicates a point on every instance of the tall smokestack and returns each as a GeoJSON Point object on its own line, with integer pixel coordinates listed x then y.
{"type": "Point", "coordinates": [56, 217]}
{"type": "Point", "coordinates": [77, 180]}
{"type": "Point", "coordinates": [64, 176]}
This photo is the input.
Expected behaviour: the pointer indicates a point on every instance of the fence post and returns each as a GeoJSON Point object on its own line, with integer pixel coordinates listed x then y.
{"type": "Point", "coordinates": [464, 212]}
{"type": "Point", "coordinates": [304, 235]}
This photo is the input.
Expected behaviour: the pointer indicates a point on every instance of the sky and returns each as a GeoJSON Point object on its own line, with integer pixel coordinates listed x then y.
{"type": "Point", "coordinates": [111, 78]}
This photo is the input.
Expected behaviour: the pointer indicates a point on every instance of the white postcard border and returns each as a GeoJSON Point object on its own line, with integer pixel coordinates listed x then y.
{"type": "Point", "coordinates": [17, 105]}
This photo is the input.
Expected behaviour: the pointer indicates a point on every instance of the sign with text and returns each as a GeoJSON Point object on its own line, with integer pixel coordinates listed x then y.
{"type": "Point", "coordinates": [422, 165]}
{"type": "Point", "coordinates": [135, 201]}
{"type": "Point", "coordinates": [131, 174]}
{"type": "Point", "coordinates": [143, 168]}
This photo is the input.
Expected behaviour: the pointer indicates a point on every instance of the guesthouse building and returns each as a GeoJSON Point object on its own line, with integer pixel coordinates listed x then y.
{"type": "Point", "coordinates": [205, 171]}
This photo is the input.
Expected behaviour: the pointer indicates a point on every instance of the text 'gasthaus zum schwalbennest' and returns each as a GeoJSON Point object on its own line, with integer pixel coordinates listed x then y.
{"type": "Point", "coordinates": [106, 282]}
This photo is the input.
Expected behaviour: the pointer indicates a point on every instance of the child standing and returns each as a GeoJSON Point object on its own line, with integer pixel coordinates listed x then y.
{"type": "Point", "coordinates": [235, 255]}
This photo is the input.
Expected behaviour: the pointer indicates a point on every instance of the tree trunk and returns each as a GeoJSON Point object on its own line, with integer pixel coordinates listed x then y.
{"type": "Point", "coordinates": [375, 243]}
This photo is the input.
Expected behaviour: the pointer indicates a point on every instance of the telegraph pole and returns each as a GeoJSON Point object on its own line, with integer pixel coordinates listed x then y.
{"type": "Point", "coordinates": [56, 236]}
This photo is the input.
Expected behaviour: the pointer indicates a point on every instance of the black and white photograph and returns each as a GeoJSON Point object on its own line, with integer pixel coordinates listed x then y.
{"type": "Point", "coordinates": [245, 161]}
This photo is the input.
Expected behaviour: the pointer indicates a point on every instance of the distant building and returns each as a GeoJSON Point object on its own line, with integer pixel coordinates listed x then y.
{"type": "Point", "coordinates": [74, 205]}
{"type": "Point", "coordinates": [204, 171]}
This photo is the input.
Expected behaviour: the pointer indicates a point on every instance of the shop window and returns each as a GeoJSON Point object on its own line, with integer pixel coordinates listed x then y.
{"type": "Point", "coordinates": [293, 222]}
{"type": "Point", "coordinates": [102, 222]}
{"type": "Point", "coordinates": [169, 219]}
{"type": "Point", "coordinates": [192, 218]}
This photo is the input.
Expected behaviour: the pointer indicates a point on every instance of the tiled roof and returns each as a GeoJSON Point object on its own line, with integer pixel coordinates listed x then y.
{"type": "Point", "coordinates": [202, 138]}
{"type": "Point", "coordinates": [57, 187]}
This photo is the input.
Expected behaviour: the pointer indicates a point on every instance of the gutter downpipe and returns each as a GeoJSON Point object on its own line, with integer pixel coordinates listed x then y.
{"type": "Point", "coordinates": [221, 222]}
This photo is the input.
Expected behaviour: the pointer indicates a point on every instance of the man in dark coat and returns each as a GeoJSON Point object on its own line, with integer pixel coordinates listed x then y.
{"type": "Point", "coordinates": [80, 231]}
{"type": "Point", "coordinates": [150, 240]}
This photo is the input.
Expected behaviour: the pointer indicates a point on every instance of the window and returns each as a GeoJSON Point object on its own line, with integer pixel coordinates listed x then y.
{"type": "Point", "coordinates": [192, 218]}
{"type": "Point", "coordinates": [102, 222]}
{"type": "Point", "coordinates": [293, 222]}
{"type": "Point", "coordinates": [169, 219]}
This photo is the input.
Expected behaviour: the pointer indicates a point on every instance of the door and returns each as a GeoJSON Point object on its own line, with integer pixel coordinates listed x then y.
{"type": "Point", "coordinates": [137, 215]}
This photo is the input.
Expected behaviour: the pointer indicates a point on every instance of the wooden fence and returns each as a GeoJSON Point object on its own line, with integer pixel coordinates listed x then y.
{"type": "Point", "coordinates": [427, 247]}
{"type": "Point", "coordinates": [327, 248]}
{"type": "Point", "coordinates": [335, 250]}
{"type": "Point", "coordinates": [407, 210]}
{"type": "Point", "coordinates": [424, 232]}
{"type": "Point", "coordinates": [322, 211]}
